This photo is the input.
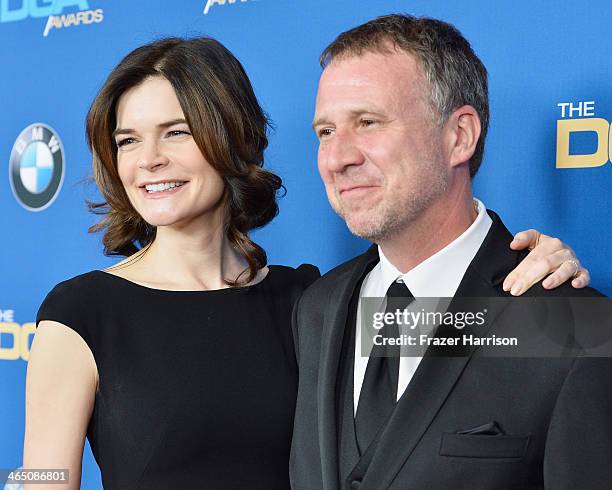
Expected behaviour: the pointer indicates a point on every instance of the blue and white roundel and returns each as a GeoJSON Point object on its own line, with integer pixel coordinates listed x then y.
{"type": "Point", "coordinates": [36, 168]}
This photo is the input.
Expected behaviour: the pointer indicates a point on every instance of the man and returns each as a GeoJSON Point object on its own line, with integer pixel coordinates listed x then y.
{"type": "Point", "coordinates": [401, 115]}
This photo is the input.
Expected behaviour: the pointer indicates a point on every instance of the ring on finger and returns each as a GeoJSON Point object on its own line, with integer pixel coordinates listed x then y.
{"type": "Point", "coordinates": [537, 241]}
{"type": "Point", "coordinates": [576, 265]}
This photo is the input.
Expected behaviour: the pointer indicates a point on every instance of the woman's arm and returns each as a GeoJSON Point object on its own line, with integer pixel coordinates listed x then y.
{"type": "Point", "coordinates": [61, 384]}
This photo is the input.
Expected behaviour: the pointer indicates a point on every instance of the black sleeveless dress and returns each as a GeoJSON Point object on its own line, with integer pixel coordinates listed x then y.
{"type": "Point", "coordinates": [197, 388]}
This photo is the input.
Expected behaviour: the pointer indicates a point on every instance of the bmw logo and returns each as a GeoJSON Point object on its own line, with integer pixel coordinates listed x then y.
{"type": "Point", "coordinates": [36, 167]}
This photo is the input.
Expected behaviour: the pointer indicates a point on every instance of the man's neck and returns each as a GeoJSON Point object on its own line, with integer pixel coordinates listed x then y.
{"type": "Point", "coordinates": [438, 226]}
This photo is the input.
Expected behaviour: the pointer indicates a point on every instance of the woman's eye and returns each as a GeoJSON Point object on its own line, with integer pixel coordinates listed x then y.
{"type": "Point", "coordinates": [123, 142]}
{"type": "Point", "coordinates": [177, 132]}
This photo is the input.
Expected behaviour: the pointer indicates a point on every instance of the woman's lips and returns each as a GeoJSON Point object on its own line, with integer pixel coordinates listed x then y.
{"type": "Point", "coordinates": [161, 194]}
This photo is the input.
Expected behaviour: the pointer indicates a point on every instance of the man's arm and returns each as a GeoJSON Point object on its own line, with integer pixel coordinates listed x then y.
{"type": "Point", "coordinates": [579, 444]}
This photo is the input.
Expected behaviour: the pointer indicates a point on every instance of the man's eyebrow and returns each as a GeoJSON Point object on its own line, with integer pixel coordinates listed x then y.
{"type": "Point", "coordinates": [352, 114]}
{"type": "Point", "coordinates": [319, 121]}
{"type": "Point", "coordinates": [163, 125]}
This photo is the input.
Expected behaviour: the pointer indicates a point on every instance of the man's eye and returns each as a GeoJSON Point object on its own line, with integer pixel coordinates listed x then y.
{"type": "Point", "coordinates": [124, 141]}
{"type": "Point", "coordinates": [325, 132]}
{"type": "Point", "coordinates": [367, 122]}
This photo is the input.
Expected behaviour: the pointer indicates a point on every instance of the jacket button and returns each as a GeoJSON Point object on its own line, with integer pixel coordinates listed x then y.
{"type": "Point", "coordinates": [355, 484]}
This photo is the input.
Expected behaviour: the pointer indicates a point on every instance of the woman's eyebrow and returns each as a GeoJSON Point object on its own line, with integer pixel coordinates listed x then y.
{"type": "Point", "coordinates": [163, 125]}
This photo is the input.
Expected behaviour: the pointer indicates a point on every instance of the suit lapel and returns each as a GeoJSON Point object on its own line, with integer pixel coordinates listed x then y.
{"type": "Point", "coordinates": [436, 376]}
{"type": "Point", "coordinates": [331, 347]}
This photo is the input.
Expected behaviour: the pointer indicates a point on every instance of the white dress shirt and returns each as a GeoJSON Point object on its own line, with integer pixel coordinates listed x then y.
{"type": "Point", "coordinates": [438, 276]}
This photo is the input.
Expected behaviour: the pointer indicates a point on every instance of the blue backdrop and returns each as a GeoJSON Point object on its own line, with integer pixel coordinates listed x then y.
{"type": "Point", "coordinates": [548, 61]}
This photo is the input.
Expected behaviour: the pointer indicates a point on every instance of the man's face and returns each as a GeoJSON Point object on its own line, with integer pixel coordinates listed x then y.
{"type": "Point", "coordinates": [380, 151]}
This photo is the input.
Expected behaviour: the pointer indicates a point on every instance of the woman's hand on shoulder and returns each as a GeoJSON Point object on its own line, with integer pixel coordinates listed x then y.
{"type": "Point", "coordinates": [550, 261]}
{"type": "Point", "coordinates": [61, 386]}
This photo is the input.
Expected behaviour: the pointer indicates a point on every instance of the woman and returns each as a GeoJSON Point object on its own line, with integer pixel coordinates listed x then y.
{"type": "Point", "coordinates": [177, 363]}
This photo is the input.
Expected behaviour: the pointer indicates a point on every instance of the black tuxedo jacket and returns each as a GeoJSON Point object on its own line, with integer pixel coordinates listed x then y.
{"type": "Point", "coordinates": [556, 414]}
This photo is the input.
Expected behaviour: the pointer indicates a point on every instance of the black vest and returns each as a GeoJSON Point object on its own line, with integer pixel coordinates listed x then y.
{"type": "Point", "coordinates": [352, 464]}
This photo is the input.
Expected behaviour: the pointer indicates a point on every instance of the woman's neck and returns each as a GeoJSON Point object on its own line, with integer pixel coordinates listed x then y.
{"type": "Point", "coordinates": [185, 258]}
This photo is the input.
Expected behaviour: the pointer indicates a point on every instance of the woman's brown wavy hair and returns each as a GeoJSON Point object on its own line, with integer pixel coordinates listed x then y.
{"type": "Point", "coordinates": [227, 124]}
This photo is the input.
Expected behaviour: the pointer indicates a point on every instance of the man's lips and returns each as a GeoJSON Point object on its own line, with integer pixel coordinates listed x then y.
{"type": "Point", "coordinates": [356, 188]}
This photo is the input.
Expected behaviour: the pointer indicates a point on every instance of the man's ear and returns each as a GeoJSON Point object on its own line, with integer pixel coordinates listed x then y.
{"type": "Point", "coordinates": [463, 131]}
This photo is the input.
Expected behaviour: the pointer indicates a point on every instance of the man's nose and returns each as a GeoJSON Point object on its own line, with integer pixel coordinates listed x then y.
{"type": "Point", "coordinates": [152, 157]}
{"type": "Point", "coordinates": [341, 152]}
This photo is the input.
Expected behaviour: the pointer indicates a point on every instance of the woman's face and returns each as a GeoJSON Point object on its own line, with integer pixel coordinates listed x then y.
{"type": "Point", "coordinates": [166, 177]}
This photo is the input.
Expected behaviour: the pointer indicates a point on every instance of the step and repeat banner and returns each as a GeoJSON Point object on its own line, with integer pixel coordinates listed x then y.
{"type": "Point", "coordinates": [547, 161]}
